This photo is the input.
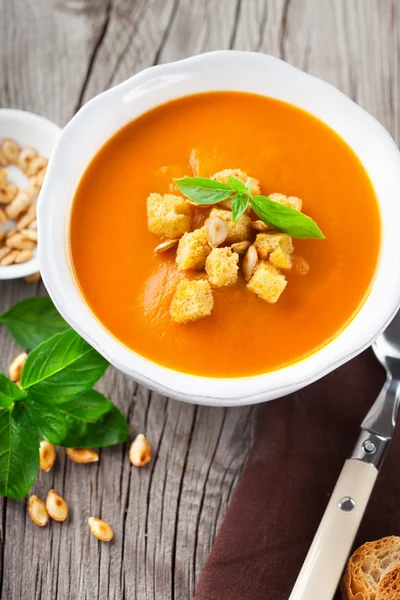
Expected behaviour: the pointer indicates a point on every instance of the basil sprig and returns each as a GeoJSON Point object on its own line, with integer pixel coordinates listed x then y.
{"type": "Point", "coordinates": [202, 190]}
{"type": "Point", "coordinates": [32, 321]}
{"type": "Point", "coordinates": [62, 367]}
{"type": "Point", "coordinates": [283, 218]}
{"type": "Point", "coordinates": [55, 401]}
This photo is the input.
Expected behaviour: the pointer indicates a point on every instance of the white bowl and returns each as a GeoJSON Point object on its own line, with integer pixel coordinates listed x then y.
{"type": "Point", "coordinates": [222, 70]}
{"type": "Point", "coordinates": [27, 129]}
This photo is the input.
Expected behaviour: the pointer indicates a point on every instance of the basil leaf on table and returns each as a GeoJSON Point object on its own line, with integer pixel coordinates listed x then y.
{"type": "Point", "coordinates": [90, 420]}
{"type": "Point", "coordinates": [64, 366]}
{"type": "Point", "coordinates": [46, 420]}
{"type": "Point", "coordinates": [33, 321]}
{"type": "Point", "coordinates": [203, 190]}
{"type": "Point", "coordinates": [285, 219]}
{"type": "Point", "coordinates": [9, 392]}
{"type": "Point", "coordinates": [19, 452]}
{"type": "Point", "coordinates": [85, 429]}
{"type": "Point", "coordinates": [240, 203]}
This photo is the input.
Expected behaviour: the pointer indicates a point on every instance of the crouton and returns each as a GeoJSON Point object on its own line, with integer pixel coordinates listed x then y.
{"type": "Point", "coordinates": [290, 201]}
{"type": "Point", "coordinates": [192, 300]}
{"type": "Point", "coordinates": [168, 216]}
{"type": "Point", "coordinates": [366, 575]}
{"type": "Point", "coordinates": [267, 282]}
{"type": "Point", "coordinates": [237, 232]}
{"type": "Point", "coordinates": [193, 250]}
{"type": "Point", "coordinates": [222, 267]}
{"type": "Point", "coordinates": [222, 177]}
{"type": "Point", "coordinates": [275, 247]}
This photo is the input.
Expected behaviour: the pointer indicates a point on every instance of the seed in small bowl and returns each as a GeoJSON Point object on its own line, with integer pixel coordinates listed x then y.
{"type": "Point", "coordinates": [3, 159]}
{"type": "Point", "coordinates": [25, 157]}
{"type": "Point", "coordinates": [30, 234]}
{"type": "Point", "coordinates": [7, 256]}
{"type": "Point", "coordinates": [19, 242]}
{"type": "Point", "coordinates": [23, 256]}
{"type": "Point", "coordinates": [8, 193]}
{"type": "Point", "coordinates": [28, 218]}
{"type": "Point", "coordinates": [10, 150]}
{"type": "Point", "coordinates": [39, 178]}
{"type": "Point", "coordinates": [37, 164]}
{"type": "Point", "coordinates": [18, 205]}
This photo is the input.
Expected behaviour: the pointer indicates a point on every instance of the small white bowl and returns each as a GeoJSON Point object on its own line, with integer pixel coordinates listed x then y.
{"type": "Point", "coordinates": [96, 122]}
{"type": "Point", "coordinates": [27, 129]}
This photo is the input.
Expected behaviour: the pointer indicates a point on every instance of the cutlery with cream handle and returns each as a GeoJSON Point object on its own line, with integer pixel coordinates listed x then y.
{"type": "Point", "coordinates": [326, 558]}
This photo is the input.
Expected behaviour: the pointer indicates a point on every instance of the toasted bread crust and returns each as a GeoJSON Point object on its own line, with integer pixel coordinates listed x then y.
{"type": "Point", "coordinates": [367, 566]}
{"type": "Point", "coordinates": [389, 585]}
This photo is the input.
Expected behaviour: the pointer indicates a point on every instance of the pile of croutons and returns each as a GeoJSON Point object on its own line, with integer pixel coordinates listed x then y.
{"type": "Point", "coordinates": [218, 248]}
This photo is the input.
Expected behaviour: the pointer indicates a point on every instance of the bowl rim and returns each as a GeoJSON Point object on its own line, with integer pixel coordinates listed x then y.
{"type": "Point", "coordinates": [222, 391]}
{"type": "Point", "coordinates": [24, 116]}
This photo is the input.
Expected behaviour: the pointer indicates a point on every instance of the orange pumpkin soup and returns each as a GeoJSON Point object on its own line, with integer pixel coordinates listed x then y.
{"type": "Point", "coordinates": [130, 288]}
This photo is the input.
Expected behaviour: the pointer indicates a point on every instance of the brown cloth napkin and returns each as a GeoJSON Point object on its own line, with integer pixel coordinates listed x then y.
{"type": "Point", "coordinates": [300, 447]}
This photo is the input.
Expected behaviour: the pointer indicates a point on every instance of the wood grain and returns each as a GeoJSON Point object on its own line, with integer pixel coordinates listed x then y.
{"type": "Point", "coordinates": [55, 55]}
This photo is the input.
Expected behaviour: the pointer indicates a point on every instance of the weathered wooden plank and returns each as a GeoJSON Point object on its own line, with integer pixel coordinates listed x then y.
{"type": "Point", "coordinates": [165, 516]}
{"type": "Point", "coordinates": [354, 45]}
{"type": "Point", "coordinates": [133, 40]}
{"type": "Point", "coordinates": [46, 50]}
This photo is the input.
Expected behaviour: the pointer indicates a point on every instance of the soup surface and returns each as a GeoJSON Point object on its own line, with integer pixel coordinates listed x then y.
{"type": "Point", "coordinates": [129, 288]}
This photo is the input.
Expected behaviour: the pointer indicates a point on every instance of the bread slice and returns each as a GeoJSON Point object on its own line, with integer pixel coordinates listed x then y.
{"type": "Point", "coordinates": [366, 567]}
{"type": "Point", "coordinates": [389, 585]}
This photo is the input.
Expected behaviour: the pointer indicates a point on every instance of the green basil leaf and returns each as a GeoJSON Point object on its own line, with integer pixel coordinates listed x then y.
{"type": "Point", "coordinates": [248, 185]}
{"type": "Point", "coordinates": [9, 392]}
{"type": "Point", "coordinates": [19, 452]}
{"type": "Point", "coordinates": [237, 185]}
{"type": "Point", "coordinates": [33, 321]}
{"type": "Point", "coordinates": [285, 219]}
{"type": "Point", "coordinates": [240, 203]}
{"type": "Point", "coordinates": [46, 419]}
{"type": "Point", "coordinates": [203, 190]}
{"type": "Point", "coordinates": [93, 420]}
{"type": "Point", "coordinates": [64, 366]}
{"type": "Point", "coordinates": [90, 420]}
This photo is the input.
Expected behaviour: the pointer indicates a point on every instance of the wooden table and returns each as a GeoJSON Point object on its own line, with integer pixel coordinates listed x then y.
{"type": "Point", "coordinates": [54, 56]}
